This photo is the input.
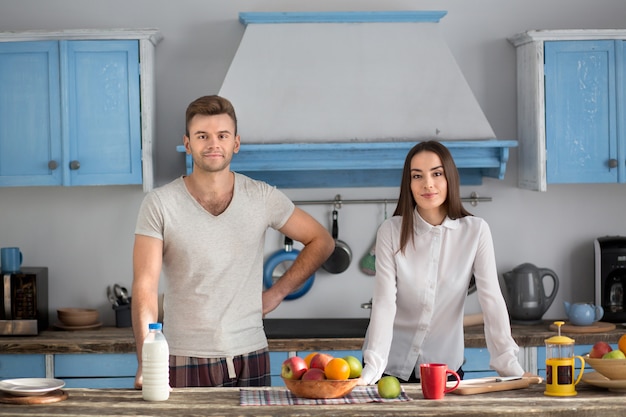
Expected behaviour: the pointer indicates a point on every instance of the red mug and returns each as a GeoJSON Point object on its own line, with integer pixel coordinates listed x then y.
{"type": "Point", "coordinates": [433, 378]}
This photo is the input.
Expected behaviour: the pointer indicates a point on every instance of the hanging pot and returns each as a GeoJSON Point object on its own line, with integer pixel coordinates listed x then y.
{"type": "Point", "coordinates": [341, 257]}
{"type": "Point", "coordinates": [278, 263]}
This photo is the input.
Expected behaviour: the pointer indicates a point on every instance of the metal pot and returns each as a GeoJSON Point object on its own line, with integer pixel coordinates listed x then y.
{"type": "Point", "coordinates": [278, 263]}
{"type": "Point", "coordinates": [341, 257]}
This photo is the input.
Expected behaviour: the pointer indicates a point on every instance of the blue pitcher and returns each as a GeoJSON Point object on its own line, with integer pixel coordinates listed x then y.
{"type": "Point", "coordinates": [583, 314]}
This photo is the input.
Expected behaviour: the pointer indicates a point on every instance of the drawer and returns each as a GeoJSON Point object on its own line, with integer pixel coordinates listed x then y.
{"type": "Point", "coordinates": [22, 366]}
{"type": "Point", "coordinates": [95, 365]}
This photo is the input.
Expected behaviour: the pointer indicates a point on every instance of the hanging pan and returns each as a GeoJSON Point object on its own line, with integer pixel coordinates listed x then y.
{"type": "Point", "coordinates": [341, 257]}
{"type": "Point", "coordinates": [278, 263]}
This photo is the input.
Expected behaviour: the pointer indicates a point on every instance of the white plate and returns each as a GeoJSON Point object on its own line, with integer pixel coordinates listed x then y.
{"type": "Point", "coordinates": [24, 387]}
{"type": "Point", "coordinates": [599, 380]}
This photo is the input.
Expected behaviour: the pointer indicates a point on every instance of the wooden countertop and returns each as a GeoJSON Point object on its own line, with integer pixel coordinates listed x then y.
{"type": "Point", "coordinates": [120, 340]}
{"type": "Point", "coordinates": [531, 401]}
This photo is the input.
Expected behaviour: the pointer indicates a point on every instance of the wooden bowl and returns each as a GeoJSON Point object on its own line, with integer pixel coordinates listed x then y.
{"type": "Point", "coordinates": [76, 317]}
{"type": "Point", "coordinates": [328, 388]}
{"type": "Point", "coordinates": [614, 369]}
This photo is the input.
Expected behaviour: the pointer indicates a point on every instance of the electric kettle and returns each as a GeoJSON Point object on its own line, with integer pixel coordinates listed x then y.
{"type": "Point", "coordinates": [527, 300]}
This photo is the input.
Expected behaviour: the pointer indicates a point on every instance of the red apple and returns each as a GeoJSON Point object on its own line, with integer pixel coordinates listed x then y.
{"type": "Point", "coordinates": [600, 349]}
{"type": "Point", "coordinates": [314, 374]}
{"type": "Point", "coordinates": [293, 368]}
{"type": "Point", "coordinates": [320, 360]}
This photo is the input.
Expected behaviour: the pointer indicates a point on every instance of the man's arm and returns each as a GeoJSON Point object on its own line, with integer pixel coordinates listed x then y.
{"type": "Point", "coordinates": [147, 261]}
{"type": "Point", "coordinates": [318, 245]}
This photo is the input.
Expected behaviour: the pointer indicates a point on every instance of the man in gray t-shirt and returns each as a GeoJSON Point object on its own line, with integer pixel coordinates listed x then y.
{"type": "Point", "coordinates": [207, 231]}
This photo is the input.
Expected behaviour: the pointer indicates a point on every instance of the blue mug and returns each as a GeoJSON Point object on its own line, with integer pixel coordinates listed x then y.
{"type": "Point", "coordinates": [10, 259]}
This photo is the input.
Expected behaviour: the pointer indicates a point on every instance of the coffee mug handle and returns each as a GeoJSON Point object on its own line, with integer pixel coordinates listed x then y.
{"type": "Point", "coordinates": [458, 381]}
{"type": "Point", "coordinates": [21, 257]}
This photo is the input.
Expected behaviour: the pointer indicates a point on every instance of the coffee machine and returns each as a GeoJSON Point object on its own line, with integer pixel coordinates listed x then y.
{"type": "Point", "coordinates": [610, 274]}
{"type": "Point", "coordinates": [24, 301]}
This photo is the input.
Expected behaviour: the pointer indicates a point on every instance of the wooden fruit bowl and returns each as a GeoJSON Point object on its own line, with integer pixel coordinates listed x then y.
{"type": "Point", "coordinates": [325, 389]}
{"type": "Point", "coordinates": [614, 369]}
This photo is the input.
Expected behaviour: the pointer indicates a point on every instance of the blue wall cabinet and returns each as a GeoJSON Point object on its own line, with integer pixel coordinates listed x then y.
{"type": "Point", "coordinates": [571, 98]}
{"type": "Point", "coordinates": [76, 108]}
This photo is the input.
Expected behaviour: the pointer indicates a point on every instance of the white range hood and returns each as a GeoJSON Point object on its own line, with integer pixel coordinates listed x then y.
{"type": "Point", "coordinates": [337, 99]}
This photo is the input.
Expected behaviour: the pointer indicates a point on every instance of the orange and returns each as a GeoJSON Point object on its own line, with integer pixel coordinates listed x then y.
{"type": "Point", "coordinates": [622, 343]}
{"type": "Point", "coordinates": [338, 369]}
{"type": "Point", "coordinates": [307, 359]}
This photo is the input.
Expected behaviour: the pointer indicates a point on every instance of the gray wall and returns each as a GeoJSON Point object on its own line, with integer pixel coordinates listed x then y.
{"type": "Point", "coordinates": [85, 235]}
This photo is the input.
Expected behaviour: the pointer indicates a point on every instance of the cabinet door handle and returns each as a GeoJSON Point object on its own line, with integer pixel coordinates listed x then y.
{"type": "Point", "coordinates": [52, 165]}
{"type": "Point", "coordinates": [74, 165]}
{"type": "Point", "coordinates": [612, 163]}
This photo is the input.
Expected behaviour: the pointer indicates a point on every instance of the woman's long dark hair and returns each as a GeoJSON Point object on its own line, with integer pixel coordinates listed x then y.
{"type": "Point", "coordinates": [406, 202]}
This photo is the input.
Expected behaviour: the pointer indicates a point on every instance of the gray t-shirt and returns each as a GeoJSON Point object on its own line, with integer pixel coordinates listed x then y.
{"type": "Point", "coordinates": [213, 265]}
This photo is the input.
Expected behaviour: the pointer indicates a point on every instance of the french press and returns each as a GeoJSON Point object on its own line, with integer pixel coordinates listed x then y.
{"type": "Point", "coordinates": [560, 360]}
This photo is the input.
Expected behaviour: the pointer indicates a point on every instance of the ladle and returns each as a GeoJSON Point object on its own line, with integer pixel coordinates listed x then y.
{"type": "Point", "coordinates": [121, 293]}
{"type": "Point", "coordinates": [112, 297]}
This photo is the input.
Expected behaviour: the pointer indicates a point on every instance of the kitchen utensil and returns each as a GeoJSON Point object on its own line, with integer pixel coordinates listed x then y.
{"type": "Point", "coordinates": [24, 387]}
{"type": "Point", "coordinates": [597, 327]}
{"type": "Point", "coordinates": [598, 380]}
{"type": "Point", "coordinates": [111, 296]}
{"type": "Point", "coordinates": [49, 398]}
{"type": "Point", "coordinates": [327, 388]}
{"type": "Point", "coordinates": [367, 265]}
{"type": "Point", "coordinates": [94, 326]}
{"type": "Point", "coordinates": [560, 365]}
{"type": "Point", "coordinates": [121, 294]}
{"type": "Point", "coordinates": [433, 377]}
{"type": "Point", "coordinates": [583, 314]}
{"type": "Point", "coordinates": [341, 257]}
{"type": "Point", "coordinates": [613, 369]}
{"type": "Point", "coordinates": [493, 384]}
{"type": "Point", "coordinates": [278, 263]}
{"type": "Point", "coordinates": [610, 277]}
{"type": "Point", "coordinates": [24, 301]}
{"type": "Point", "coordinates": [10, 259]}
{"type": "Point", "coordinates": [527, 300]}
{"type": "Point", "coordinates": [75, 317]}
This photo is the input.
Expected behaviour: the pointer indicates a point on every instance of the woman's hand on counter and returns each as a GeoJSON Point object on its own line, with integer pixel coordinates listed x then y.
{"type": "Point", "coordinates": [535, 378]}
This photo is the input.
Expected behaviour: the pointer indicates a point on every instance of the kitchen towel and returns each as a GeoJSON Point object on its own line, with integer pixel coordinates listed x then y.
{"type": "Point", "coordinates": [360, 394]}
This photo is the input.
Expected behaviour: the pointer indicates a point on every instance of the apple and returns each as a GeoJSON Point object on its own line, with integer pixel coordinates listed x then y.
{"type": "Point", "coordinates": [355, 366]}
{"type": "Point", "coordinates": [314, 374]}
{"type": "Point", "coordinates": [614, 354]}
{"type": "Point", "coordinates": [600, 349]}
{"type": "Point", "coordinates": [320, 360]}
{"type": "Point", "coordinates": [293, 368]}
{"type": "Point", "coordinates": [389, 387]}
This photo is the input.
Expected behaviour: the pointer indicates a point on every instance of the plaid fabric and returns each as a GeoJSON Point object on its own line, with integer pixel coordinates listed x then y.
{"type": "Point", "coordinates": [252, 370]}
{"type": "Point", "coordinates": [360, 394]}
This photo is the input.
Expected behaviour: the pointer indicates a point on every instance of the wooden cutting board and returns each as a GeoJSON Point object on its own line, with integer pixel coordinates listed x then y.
{"type": "Point", "coordinates": [50, 397]}
{"type": "Point", "coordinates": [597, 327]}
{"type": "Point", "coordinates": [489, 384]}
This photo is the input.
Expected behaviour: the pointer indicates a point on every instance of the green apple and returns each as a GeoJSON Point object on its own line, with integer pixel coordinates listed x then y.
{"type": "Point", "coordinates": [614, 354]}
{"type": "Point", "coordinates": [389, 387]}
{"type": "Point", "coordinates": [355, 366]}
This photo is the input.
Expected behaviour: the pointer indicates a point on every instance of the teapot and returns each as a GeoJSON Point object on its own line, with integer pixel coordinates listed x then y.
{"type": "Point", "coordinates": [583, 314]}
{"type": "Point", "coordinates": [527, 300]}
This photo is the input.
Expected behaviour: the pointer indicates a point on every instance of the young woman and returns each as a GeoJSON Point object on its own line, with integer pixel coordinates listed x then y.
{"type": "Point", "coordinates": [426, 255]}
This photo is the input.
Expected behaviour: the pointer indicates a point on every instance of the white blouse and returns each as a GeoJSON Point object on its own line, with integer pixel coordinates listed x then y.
{"type": "Point", "coordinates": [419, 296]}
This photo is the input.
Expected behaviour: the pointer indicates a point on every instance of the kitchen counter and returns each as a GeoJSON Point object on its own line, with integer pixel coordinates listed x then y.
{"type": "Point", "coordinates": [527, 402]}
{"type": "Point", "coordinates": [120, 340]}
